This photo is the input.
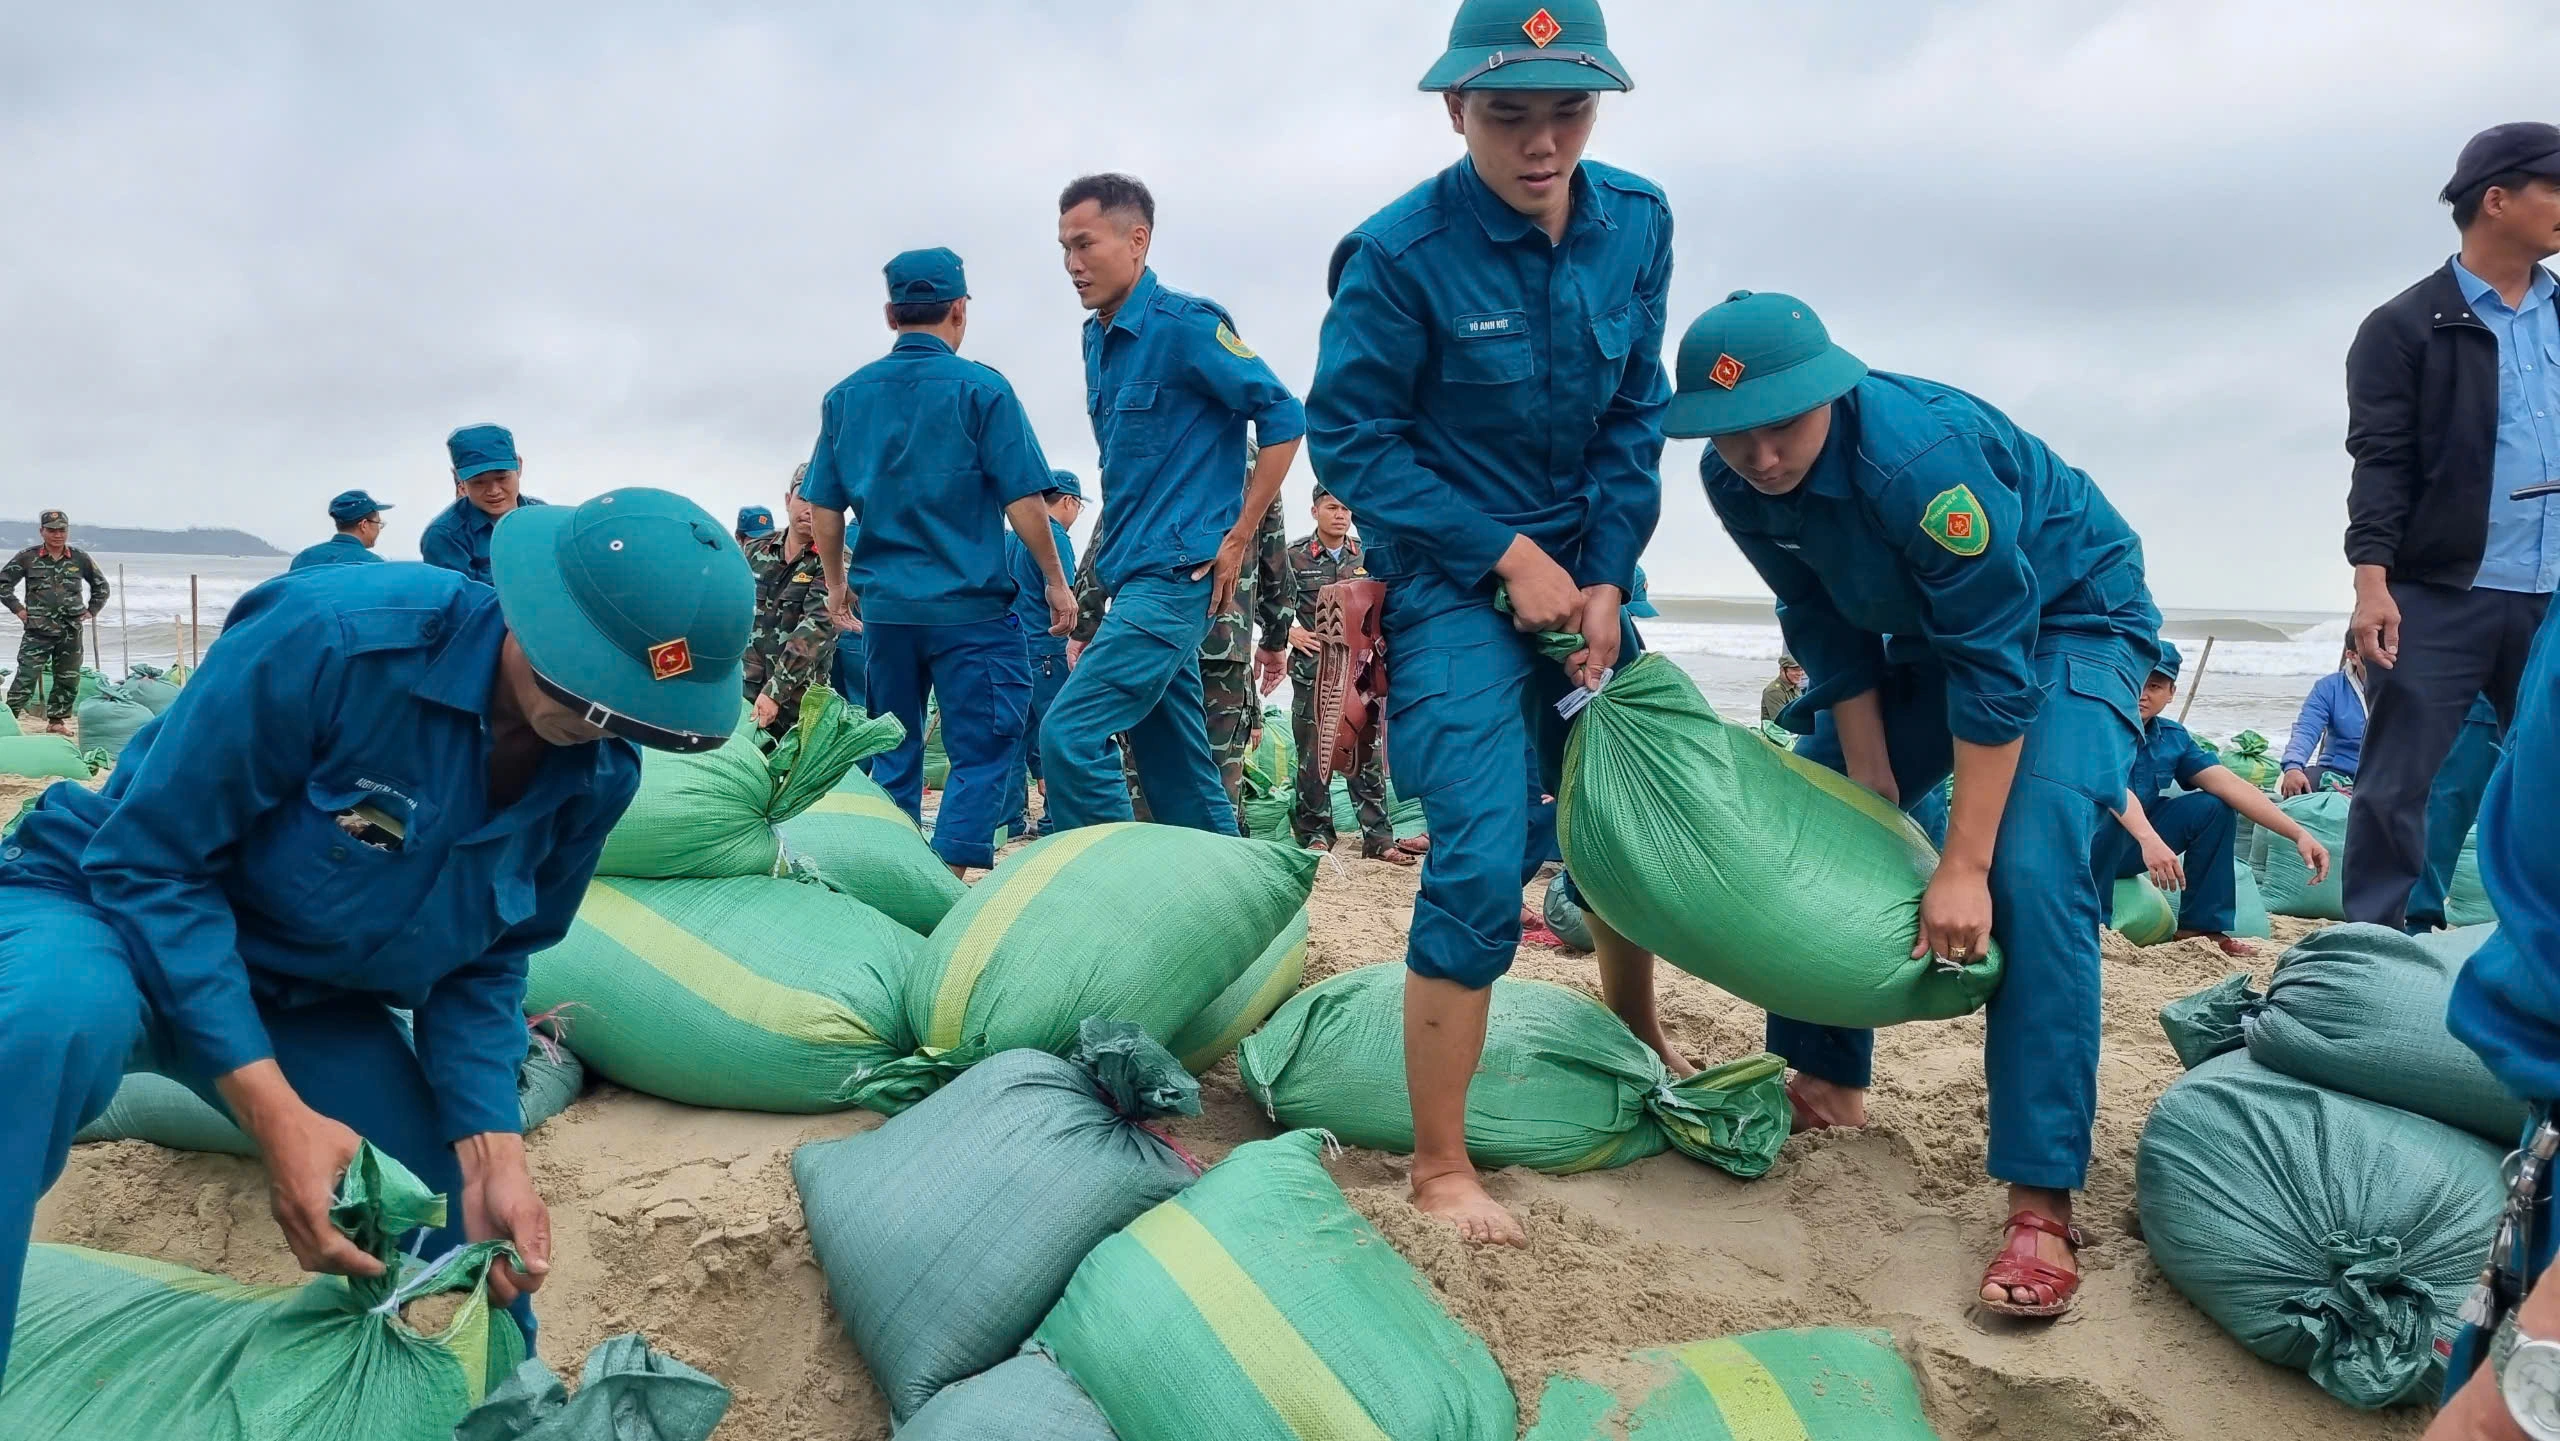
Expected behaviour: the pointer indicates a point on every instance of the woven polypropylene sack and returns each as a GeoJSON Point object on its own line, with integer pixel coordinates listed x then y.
{"type": "Point", "coordinates": [2143, 915]}
{"type": "Point", "coordinates": [1747, 866]}
{"type": "Point", "coordinates": [1241, 1008]}
{"type": "Point", "coordinates": [712, 814]}
{"type": "Point", "coordinates": [2466, 896]}
{"type": "Point", "coordinates": [109, 719]}
{"type": "Point", "coordinates": [1027, 1397]}
{"type": "Point", "coordinates": [937, 760]}
{"type": "Point", "coordinates": [2249, 757]}
{"type": "Point", "coordinates": [43, 757]}
{"type": "Point", "coordinates": [861, 843]}
{"type": "Point", "coordinates": [2361, 1009]}
{"type": "Point", "coordinates": [151, 686]}
{"type": "Point", "coordinates": [1563, 1086]}
{"type": "Point", "coordinates": [1565, 917]}
{"type": "Point", "coordinates": [626, 1392]}
{"type": "Point", "coordinates": [1404, 815]}
{"type": "Point", "coordinates": [2325, 1233]}
{"type": "Point", "coordinates": [2250, 907]}
{"type": "Point", "coordinates": [2287, 887]}
{"type": "Point", "coordinates": [119, 1348]}
{"type": "Point", "coordinates": [1258, 1306]}
{"type": "Point", "coordinates": [1271, 779]}
{"type": "Point", "coordinates": [1819, 1385]}
{"type": "Point", "coordinates": [949, 1232]}
{"type": "Point", "coordinates": [752, 994]}
{"type": "Point", "coordinates": [1139, 923]}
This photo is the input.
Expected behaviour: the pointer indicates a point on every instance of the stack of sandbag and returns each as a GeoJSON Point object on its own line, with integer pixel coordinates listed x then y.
{"type": "Point", "coordinates": [2144, 914]}
{"type": "Point", "coordinates": [2284, 880]}
{"type": "Point", "coordinates": [1563, 1087]}
{"type": "Point", "coordinates": [1258, 1306]}
{"type": "Point", "coordinates": [1243, 1006]}
{"type": "Point", "coordinates": [1747, 866]}
{"type": "Point", "coordinates": [155, 689]}
{"type": "Point", "coordinates": [860, 842]}
{"type": "Point", "coordinates": [948, 1233]}
{"type": "Point", "coordinates": [119, 1348]}
{"type": "Point", "coordinates": [2325, 1181]}
{"type": "Point", "coordinates": [1025, 1397]}
{"type": "Point", "coordinates": [713, 814]}
{"type": "Point", "coordinates": [46, 757]}
{"type": "Point", "coordinates": [1828, 1384]}
{"type": "Point", "coordinates": [2248, 756]}
{"type": "Point", "coordinates": [626, 1392]}
{"type": "Point", "coordinates": [109, 719]}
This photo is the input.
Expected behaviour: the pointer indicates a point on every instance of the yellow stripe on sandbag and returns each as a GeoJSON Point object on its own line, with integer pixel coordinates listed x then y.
{"type": "Point", "coordinates": [1279, 986]}
{"type": "Point", "coordinates": [1755, 1406]}
{"type": "Point", "coordinates": [176, 1278]}
{"type": "Point", "coordinates": [855, 803]}
{"type": "Point", "coordinates": [986, 930]}
{"type": "Point", "coordinates": [1294, 1381]}
{"type": "Point", "coordinates": [716, 980]}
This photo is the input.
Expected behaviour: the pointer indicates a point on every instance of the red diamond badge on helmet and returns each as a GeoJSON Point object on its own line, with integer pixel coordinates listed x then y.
{"type": "Point", "coordinates": [1728, 372]}
{"type": "Point", "coordinates": [1542, 29]}
{"type": "Point", "coordinates": [670, 659]}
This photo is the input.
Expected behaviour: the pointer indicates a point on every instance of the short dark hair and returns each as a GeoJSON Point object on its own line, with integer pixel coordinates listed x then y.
{"type": "Point", "coordinates": [1052, 496]}
{"type": "Point", "coordinates": [1113, 192]}
{"type": "Point", "coordinates": [2466, 206]}
{"type": "Point", "coordinates": [924, 314]}
{"type": "Point", "coordinates": [348, 527]}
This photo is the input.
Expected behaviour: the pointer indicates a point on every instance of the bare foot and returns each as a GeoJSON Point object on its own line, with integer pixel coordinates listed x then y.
{"type": "Point", "coordinates": [1680, 1066]}
{"type": "Point", "coordinates": [1824, 1105]}
{"type": "Point", "coordinates": [1459, 1198]}
{"type": "Point", "coordinates": [2051, 1249]}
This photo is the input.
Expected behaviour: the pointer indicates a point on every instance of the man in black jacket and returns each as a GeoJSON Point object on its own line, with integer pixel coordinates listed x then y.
{"type": "Point", "coordinates": [2453, 406]}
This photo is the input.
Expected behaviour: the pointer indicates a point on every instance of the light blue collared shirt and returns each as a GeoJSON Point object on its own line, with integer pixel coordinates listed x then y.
{"type": "Point", "coordinates": [2524, 535]}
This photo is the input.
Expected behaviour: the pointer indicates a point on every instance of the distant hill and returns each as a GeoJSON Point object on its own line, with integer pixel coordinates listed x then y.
{"type": "Point", "coordinates": [17, 534]}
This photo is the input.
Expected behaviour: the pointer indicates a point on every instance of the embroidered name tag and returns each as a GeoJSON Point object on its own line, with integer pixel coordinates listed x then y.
{"type": "Point", "coordinates": [1492, 324]}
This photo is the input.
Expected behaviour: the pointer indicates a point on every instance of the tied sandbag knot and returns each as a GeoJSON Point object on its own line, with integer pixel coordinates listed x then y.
{"type": "Point", "coordinates": [2372, 1327]}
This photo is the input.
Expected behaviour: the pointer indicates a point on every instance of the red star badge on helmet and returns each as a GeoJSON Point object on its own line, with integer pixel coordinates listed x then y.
{"type": "Point", "coordinates": [670, 659]}
{"type": "Point", "coordinates": [1542, 29]}
{"type": "Point", "coordinates": [1728, 372]}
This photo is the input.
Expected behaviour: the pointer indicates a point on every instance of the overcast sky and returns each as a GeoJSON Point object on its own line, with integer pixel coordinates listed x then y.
{"type": "Point", "coordinates": [254, 254]}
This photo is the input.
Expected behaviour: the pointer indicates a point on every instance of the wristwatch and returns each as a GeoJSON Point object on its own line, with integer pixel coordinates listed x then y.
{"type": "Point", "coordinates": [2528, 1373]}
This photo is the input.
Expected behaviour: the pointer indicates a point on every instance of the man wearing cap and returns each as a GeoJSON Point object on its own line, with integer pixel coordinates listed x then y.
{"type": "Point", "coordinates": [755, 523]}
{"type": "Point", "coordinates": [486, 474]}
{"type": "Point", "coordinates": [1964, 602]}
{"type": "Point", "coordinates": [1783, 692]}
{"type": "Point", "coordinates": [383, 788]}
{"type": "Point", "coordinates": [2453, 408]}
{"type": "Point", "coordinates": [54, 570]}
{"type": "Point", "coordinates": [2184, 843]}
{"type": "Point", "coordinates": [1331, 553]}
{"type": "Point", "coordinates": [359, 520]}
{"type": "Point", "coordinates": [1488, 400]}
{"type": "Point", "coordinates": [1171, 387]}
{"type": "Point", "coordinates": [934, 455]}
{"type": "Point", "coordinates": [794, 647]}
{"type": "Point", "coordinates": [1045, 650]}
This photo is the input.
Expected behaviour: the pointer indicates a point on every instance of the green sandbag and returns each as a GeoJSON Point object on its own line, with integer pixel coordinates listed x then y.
{"type": "Point", "coordinates": [1564, 1086]}
{"type": "Point", "coordinates": [2325, 1233]}
{"type": "Point", "coordinates": [1241, 1008]}
{"type": "Point", "coordinates": [1258, 1306]}
{"type": "Point", "coordinates": [1026, 1397]}
{"type": "Point", "coordinates": [2144, 914]}
{"type": "Point", "coordinates": [937, 761]}
{"type": "Point", "coordinates": [1566, 918]}
{"type": "Point", "coordinates": [712, 814]}
{"type": "Point", "coordinates": [153, 687]}
{"type": "Point", "coordinates": [91, 682]}
{"type": "Point", "coordinates": [2361, 1010]}
{"type": "Point", "coordinates": [2287, 881]}
{"type": "Point", "coordinates": [861, 843]}
{"type": "Point", "coordinates": [2466, 896]}
{"type": "Point", "coordinates": [1749, 867]}
{"type": "Point", "coordinates": [42, 757]}
{"type": "Point", "coordinates": [1271, 779]}
{"type": "Point", "coordinates": [1404, 816]}
{"type": "Point", "coordinates": [2252, 908]}
{"type": "Point", "coordinates": [949, 1232]}
{"type": "Point", "coordinates": [627, 1392]}
{"type": "Point", "coordinates": [550, 1078]}
{"type": "Point", "coordinates": [119, 1348]}
{"type": "Point", "coordinates": [109, 719]}
{"type": "Point", "coordinates": [2206, 1024]}
{"type": "Point", "coordinates": [1819, 1385]}
{"type": "Point", "coordinates": [752, 994]}
{"type": "Point", "coordinates": [1141, 923]}
{"type": "Point", "coordinates": [2249, 757]}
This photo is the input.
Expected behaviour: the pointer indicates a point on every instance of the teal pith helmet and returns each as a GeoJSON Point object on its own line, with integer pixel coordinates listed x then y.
{"type": "Point", "coordinates": [1529, 45]}
{"type": "Point", "coordinates": [2170, 662]}
{"type": "Point", "coordinates": [634, 608]}
{"type": "Point", "coordinates": [1756, 360]}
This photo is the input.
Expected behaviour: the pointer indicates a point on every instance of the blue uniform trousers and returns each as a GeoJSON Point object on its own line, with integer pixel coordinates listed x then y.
{"type": "Point", "coordinates": [73, 1021]}
{"type": "Point", "coordinates": [1048, 676]}
{"type": "Point", "coordinates": [981, 677]}
{"type": "Point", "coordinates": [2202, 830]}
{"type": "Point", "coordinates": [2453, 805]}
{"type": "Point", "coordinates": [1140, 678]}
{"type": "Point", "coordinates": [848, 679]}
{"type": "Point", "coordinates": [2040, 1051]}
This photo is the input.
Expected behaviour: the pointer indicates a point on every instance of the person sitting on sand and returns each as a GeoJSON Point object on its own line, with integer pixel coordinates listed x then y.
{"type": "Point", "coordinates": [2328, 735]}
{"type": "Point", "coordinates": [2185, 843]}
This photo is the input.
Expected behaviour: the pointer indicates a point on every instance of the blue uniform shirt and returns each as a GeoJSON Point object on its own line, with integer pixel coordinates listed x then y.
{"type": "Point", "coordinates": [217, 851]}
{"type": "Point", "coordinates": [2330, 727]}
{"type": "Point", "coordinates": [2168, 753]}
{"type": "Point", "coordinates": [2506, 1002]}
{"type": "Point", "coordinates": [340, 549]}
{"type": "Point", "coordinates": [2524, 535]}
{"type": "Point", "coordinates": [1170, 387]}
{"type": "Point", "coordinates": [458, 538]}
{"type": "Point", "coordinates": [926, 449]}
{"type": "Point", "coordinates": [1479, 383]}
{"type": "Point", "coordinates": [1852, 564]}
{"type": "Point", "coordinates": [1031, 588]}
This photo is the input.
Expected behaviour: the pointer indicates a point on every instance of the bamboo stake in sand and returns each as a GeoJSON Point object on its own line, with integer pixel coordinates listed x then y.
{"type": "Point", "coordinates": [124, 617]}
{"type": "Point", "coordinates": [2196, 684]}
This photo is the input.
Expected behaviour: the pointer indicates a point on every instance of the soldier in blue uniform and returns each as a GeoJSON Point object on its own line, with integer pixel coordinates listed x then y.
{"type": "Point", "coordinates": [487, 475]}
{"type": "Point", "coordinates": [1962, 600]}
{"type": "Point", "coordinates": [385, 787]}
{"type": "Point", "coordinates": [1488, 400]}
{"type": "Point", "coordinates": [1047, 651]}
{"type": "Point", "coordinates": [1170, 386]}
{"type": "Point", "coordinates": [359, 520]}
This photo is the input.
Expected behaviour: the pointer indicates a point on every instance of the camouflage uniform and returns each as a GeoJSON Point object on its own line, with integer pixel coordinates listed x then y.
{"type": "Point", "coordinates": [53, 614]}
{"type": "Point", "coordinates": [1311, 820]}
{"type": "Point", "coordinates": [794, 646]}
{"type": "Point", "coordinates": [1265, 592]}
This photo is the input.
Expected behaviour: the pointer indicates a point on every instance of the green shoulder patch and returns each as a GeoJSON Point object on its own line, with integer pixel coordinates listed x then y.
{"type": "Point", "coordinates": [1235, 347]}
{"type": "Point", "coordinates": [1955, 520]}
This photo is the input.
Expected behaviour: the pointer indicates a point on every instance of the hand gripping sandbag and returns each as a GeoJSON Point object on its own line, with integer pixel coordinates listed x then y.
{"type": "Point", "coordinates": [1749, 867]}
{"type": "Point", "coordinates": [1819, 1385]}
{"type": "Point", "coordinates": [118, 1348]}
{"type": "Point", "coordinates": [751, 993]}
{"type": "Point", "coordinates": [1027, 1397]}
{"type": "Point", "coordinates": [2144, 914]}
{"type": "Point", "coordinates": [2325, 1233]}
{"type": "Point", "coordinates": [949, 1232]}
{"type": "Point", "coordinates": [1241, 1008]}
{"type": "Point", "coordinates": [712, 814]}
{"type": "Point", "coordinates": [626, 1392]}
{"type": "Point", "coordinates": [1564, 1086]}
{"type": "Point", "coordinates": [1141, 923]}
{"type": "Point", "coordinates": [861, 843]}
{"type": "Point", "coordinates": [2288, 888]}
{"type": "Point", "coordinates": [1258, 1306]}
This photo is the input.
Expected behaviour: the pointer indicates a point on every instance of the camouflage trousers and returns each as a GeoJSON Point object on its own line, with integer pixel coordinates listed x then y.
{"type": "Point", "coordinates": [57, 653]}
{"type": "Point", "coordinates": [1226, 691]}
{"type": "Point", "coordinates": [1311, 819]}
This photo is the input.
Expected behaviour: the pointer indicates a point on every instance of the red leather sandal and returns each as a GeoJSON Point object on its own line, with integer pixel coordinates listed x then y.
{"type": "Point", "coordinates": [2018, 1266]}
